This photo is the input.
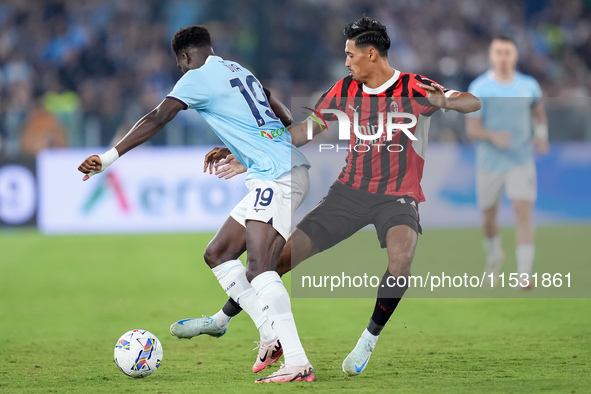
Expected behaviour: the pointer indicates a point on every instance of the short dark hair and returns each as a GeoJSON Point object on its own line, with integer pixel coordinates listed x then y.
{"type": "Point", "coordinates": [366, 31]}
{"type": "Point", "coordinates": [191, 36]}
{"type": "Point", "coordinates": [503, 37]}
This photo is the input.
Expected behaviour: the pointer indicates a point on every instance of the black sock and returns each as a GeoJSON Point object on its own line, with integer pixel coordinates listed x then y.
{"type": "Point", "coordinates": [231, 308]}
{"type": "Point", "coordinates": [386, 302]}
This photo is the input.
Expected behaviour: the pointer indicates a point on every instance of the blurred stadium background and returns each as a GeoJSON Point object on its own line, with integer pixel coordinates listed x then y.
{"type": "Point", "coordinates": [78, 74]}
{"type": "Point", "coordinates": [97, 65]}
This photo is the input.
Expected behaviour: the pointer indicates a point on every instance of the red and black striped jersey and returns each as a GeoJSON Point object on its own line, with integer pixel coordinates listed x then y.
{"type": "Point", "coordinates": [383, 166]}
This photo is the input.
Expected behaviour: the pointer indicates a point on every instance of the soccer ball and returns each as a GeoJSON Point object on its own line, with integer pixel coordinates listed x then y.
{"type": "Point", "coordinates": [138, 353]}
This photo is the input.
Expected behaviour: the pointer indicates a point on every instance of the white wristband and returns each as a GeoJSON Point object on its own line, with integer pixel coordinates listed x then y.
{"type": "Point", "coordinates": [108, 158]}
{"type": "Point", "coordinates": [541, 131]}
{"type": "Point", "coordinates": [448, 95]}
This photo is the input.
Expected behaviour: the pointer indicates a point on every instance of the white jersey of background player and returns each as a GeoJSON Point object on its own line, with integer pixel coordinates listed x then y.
{"type": "Point", "coordinates": [234, 104]}
{"type": "Point", "coordinates": [505, 137]}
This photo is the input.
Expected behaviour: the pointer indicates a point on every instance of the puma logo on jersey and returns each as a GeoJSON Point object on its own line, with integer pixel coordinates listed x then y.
{"type": "Point", "coordinates": [353, 108]}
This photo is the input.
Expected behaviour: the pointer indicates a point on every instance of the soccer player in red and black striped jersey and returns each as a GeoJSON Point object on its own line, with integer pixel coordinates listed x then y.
{"type": "Point", "coordinates": [380, 183]}
{"type": "Point", "coordinates": [384, 166]}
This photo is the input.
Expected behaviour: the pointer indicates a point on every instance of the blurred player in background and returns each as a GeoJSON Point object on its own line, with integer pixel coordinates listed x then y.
{"type": "Point", "coordinates": [377, 186]}
{"type": "Point", "coordinates": [235, 105]}
{"type": "Point", "coordinates": [504, 152]}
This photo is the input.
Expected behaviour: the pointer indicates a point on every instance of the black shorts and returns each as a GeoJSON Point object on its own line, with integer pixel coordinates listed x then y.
{"type": "Point", "coordinates": [344, 211]}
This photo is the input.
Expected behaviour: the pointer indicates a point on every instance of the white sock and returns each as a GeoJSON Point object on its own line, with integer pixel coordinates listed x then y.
{"type": "Point", "coordinates": [525, 254]}
{"type": "Point", "coordinates": [275, 300]}
{"type": "Point", "coordinates": [266, 329]}
{"type": "Point", "coordinates": [221, 319]}
{"type": "Point", "coordinates": [232, 277]}
{"type": "Point", "coordinates": [492, 247]}
{"type": "Point", "coordinates": [368, 335]}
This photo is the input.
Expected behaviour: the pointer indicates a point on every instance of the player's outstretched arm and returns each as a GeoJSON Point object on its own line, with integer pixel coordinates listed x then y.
{"type": "Point", "coordinates": [462, 102]}
{"type": "Point", "coordinates": [299, 132]}
{"type": "Point", "coordinates": [145, 129]}
{"type": "Point", "coordinates": [150, 125]}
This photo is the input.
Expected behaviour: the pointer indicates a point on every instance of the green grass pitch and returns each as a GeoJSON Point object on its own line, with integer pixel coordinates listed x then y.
{"type": "Point", "coordinates": [64, 301]}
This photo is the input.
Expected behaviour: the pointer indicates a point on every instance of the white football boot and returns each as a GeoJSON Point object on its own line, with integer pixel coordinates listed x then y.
{"type": "Point", "coordinates": [357, 360]}
{"type": "Point", "coordinates": [294, 373]}
{"type": "Point", "coordinates": [189, 328]}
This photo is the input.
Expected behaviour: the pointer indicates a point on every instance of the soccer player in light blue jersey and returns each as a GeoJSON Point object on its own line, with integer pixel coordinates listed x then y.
{"type": "Point", "coordinates": [235, 105]}
{"type": "Point", "coordinates": [511, 123]}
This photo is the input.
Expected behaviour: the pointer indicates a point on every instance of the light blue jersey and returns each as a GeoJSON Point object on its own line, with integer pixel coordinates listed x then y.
{"type": "Point", "coordinates": [505, 107]}
{"type": "Point", "coordinates": [233, 103]}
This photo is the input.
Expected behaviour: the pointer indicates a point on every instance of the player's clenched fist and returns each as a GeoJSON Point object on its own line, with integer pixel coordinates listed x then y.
{"type": "Point", "coordinates": [98, 163]}
{"type": "Point", "coordinates": [92, 164]}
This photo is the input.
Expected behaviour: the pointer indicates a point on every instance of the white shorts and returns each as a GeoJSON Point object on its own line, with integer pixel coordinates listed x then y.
{"type": "Point", "coordinates": [519, 183]}
{"type": "Point", "coordinates": [274, 201]}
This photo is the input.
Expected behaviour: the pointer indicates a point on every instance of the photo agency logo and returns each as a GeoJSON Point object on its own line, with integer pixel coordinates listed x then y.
{"type": "Point", "coordinates": [368, 134]}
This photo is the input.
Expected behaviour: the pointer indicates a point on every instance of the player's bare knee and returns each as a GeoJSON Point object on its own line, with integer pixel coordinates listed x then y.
{"type": "Point", "coordinates": [489, 219]}
{"type": "Point", "coordinates": [400, 265]}
{"type": "Point", "coordinates": [399, 271]}
{"type": "Point", "coordinates": [210, 257]}
{"type": "Point", "coordinates": [215, 255]}
{"type": "Point", "coordinates": [489, 225]}
{"type": "Point", "coordinates": [523, 214]}
{"type": "Point", "coordinates": [490, 214]}
{"type": "Point", "coordinates": [523, 219]}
